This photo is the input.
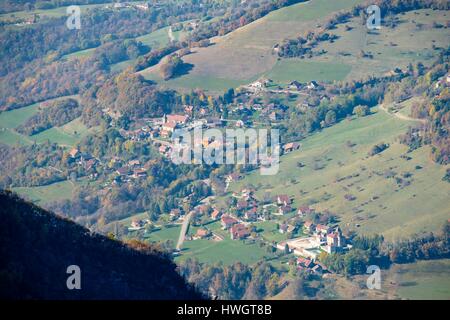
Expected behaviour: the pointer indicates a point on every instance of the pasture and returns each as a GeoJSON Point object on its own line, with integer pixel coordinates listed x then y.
{"type": "Point", "coordinates": [246, 54]}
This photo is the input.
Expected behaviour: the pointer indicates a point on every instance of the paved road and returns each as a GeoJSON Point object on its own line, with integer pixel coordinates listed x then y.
{"type": "Point", "coordinates": [183, 231]}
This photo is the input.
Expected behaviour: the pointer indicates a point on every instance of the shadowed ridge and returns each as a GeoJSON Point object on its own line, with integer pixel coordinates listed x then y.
{"type": "Point", "coordinates": [36, 247]}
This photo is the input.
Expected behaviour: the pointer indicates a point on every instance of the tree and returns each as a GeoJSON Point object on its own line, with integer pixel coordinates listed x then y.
{"type": "Point", "coordinates": [361, 111]}
{"type": "Point", "coordinates": [286, 249]}
{"type": "Point", "coordinates": [330, 118]}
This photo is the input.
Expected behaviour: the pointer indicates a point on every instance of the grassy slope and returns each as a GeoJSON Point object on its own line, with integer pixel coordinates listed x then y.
{"type": "Point", "coordinates": [398, 212]}
{"type": "Point", "coordinates": [422, 280]}
{"type": "Point", "coordinates": [67, 135]}
{"type": "Point", "coordinates": [246, 54]}
{"type": "Point", "coordinates": [391, 48]}
{"type": "Point", "coordinates": [64, 135]}
{"type": "Point", "coordinates": [44, 194]}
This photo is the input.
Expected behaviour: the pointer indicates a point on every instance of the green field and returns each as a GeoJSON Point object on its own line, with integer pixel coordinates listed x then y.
{"type": "Point", "coordinates": [189, 82]}
{"type": "Point", "coordinates": [429, 280]}
{"type": "Point", "coordinates": [12, 119]}
{"type": "Point", "coordinates": [154, 40]}
{"type": "Point", "coordinates": [246, 54]}
{"type": "Point", "coordinates": [310, 11]}
{"type": "Point", "coordinates": [285, 71]}
{"type": "Point", "coordinates": [67, 135]}
{"type": "Point", "coordinates": [226, 251]}
{"type": "Point", "coordinates": [79, 54]}
{"type": "Point", "coordinates": [11, 137]}
{"type": "Point", "coordinates": [381, 204]}
{"type": "Point", "coordinates": [45, 194]}
{"type": "Point", "coordinates": [410, 41]}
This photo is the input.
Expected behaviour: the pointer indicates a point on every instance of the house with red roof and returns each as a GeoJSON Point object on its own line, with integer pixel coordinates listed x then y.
{"type": "Point", "coordinates": [239, 231]}
{"type": "Point", "coordinates": [308, 226]}
{"type": "Point", "coordinates": [283, 199]}
{"type": "Point", "coordinates": [304, 210]}
{"type": "Point", "coordinates": [227, 221]}
{"type": "Point", "coordinates": [322, 229]}
{"type": "Point", "coordinates": [177, 118]}
{"type": "Point", "coordinates": [215, 214]}
{"type": "Point", "coordinates": [284, 209]}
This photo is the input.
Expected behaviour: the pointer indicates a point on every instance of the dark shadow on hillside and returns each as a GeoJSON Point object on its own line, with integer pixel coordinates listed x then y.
{"type": "Point", "coordinates": [183, 70]}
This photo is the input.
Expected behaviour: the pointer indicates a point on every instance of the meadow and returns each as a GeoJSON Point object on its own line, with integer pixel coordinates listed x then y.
{"type": "Point", "coordinates": [427, 280]}
{"type": "Point", "coordinates": [413, 39]}
{"type": "Point", "coordinates": [66, 135]}
{"type": "Point", "coordinates": [48, 193]}
{"type": "Point", "coordinates": [246, 54]}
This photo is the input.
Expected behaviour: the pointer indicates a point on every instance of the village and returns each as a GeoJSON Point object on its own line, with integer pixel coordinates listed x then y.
{"type": "Point", "coordinates": [304, 239]}
{"type": "Point", "coordinates": [299, 234]}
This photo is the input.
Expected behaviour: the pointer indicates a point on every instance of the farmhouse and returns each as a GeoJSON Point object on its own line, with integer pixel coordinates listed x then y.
{"type": "Point", "coordinates": [175, 213]}
{"type": "Point", "coordinates": [251, 215]}
{"type": "Point", "coordinates": [308, 226]}
{"type": "Point", "coordinates": [284, 209]}
{"type": "Point", "coordinates": [134, 163]}
{"type": "Point", "coordinates": [304, 210]}
{"type": "Point", "coordinates": [313, 85]}
{"type": "Point", "coordinates": [139, 173]}
{"type": "Point", "coordinates": [88, 165]}
{"type": "Point", "coordinates": [322, 229]}
{"type": "Point", "coordinates": [202, 233]}
{"type": "Point", "coordinates": [215, 214]}
{"type": "Point", "coordinates": [74, 153]}
{"type": "Point", "coordinates": [304, 263]}
{"type": "Point", "coordinates": [295, 85]}
{"type": "Point", "coordinates": [286, 228]}
{"type": "Point", "coordinates": [176, 118]}
{"type": "Point", "coordinates": [289, 147]}
{"type": "Point", "coordinates": [169, 127]}
{"type": "Point", "coordinates": [283, 199]}
{"type": "Point", "coordinates": [136, 225]}
{"type": "Point", "coordinates": [227, 221]}
{"type": "Point", "coordinates": [123, 171]}
{"type": "Point", "coordinates": [239, 231]}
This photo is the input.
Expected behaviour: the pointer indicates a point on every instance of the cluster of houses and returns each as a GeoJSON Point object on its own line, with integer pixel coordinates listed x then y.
{"type": "Point", "coordinates": [321, 238]}
{"type": "Point", "coordinates": [85, 160]}
{"type": "Point", "coordinates": [298, 86]}
{"type": "Point", "coordinates": [443, 82]}
{"type": "Point", "coordinates": [283, 202]}
{"type": "Point", "coordinates": [263, 83]}
{"type": "Point", "coordinates": [133, 169]}
{"type": "Point", "coordinates": [122, 5]}
{"type": "Point", "coordinates": [138, 224]}
{"type": "Point", "coordinates": [310, 266]}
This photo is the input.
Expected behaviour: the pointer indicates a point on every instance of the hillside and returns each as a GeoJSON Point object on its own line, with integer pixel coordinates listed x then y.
{"type": "Point", "coordinates": [247, 53]}
{"type": "Point", "coordinates": [335, 163]}
{"type": "Point", "coordinates": [36, 247]}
